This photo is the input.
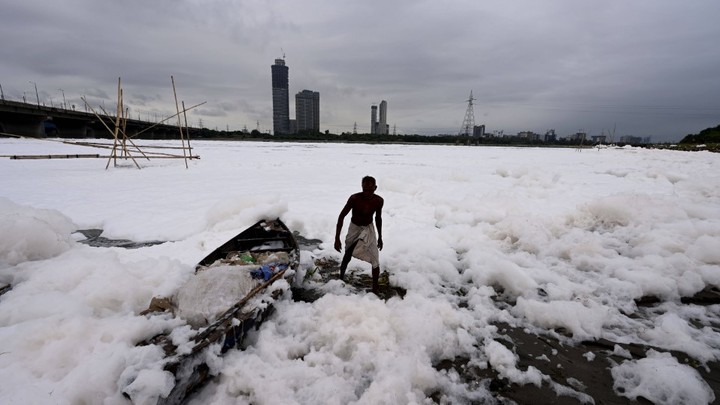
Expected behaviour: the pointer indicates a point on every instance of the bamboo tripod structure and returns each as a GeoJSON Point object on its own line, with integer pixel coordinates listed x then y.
{"type": "Point", "coordinates": [121, 139]}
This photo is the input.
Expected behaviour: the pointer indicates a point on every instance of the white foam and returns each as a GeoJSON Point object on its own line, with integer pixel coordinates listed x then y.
{"type": "Point", "coordinates": [661, 379]}
{"type": "Point", "coordinates": [538, 238]}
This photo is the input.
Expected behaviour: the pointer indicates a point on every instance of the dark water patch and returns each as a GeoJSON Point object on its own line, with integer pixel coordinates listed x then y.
{"type": "Point", "coordinates": [582, 367]}
{"type": "Point", "coordinates": [305, 243]}
{"type": "Point", "coordinates": [94, 238]}
{"type": "Point", "coordinates": [710, 295]}
{"type": "Point", "coordinates": [302, 294]}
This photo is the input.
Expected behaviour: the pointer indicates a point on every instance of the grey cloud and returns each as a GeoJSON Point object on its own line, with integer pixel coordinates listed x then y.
{"type": "Point", "coordinates": [648, 67]}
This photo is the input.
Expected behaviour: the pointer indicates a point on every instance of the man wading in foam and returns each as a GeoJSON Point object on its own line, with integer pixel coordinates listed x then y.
{"type": "Point", "coordinates": [360, 241]}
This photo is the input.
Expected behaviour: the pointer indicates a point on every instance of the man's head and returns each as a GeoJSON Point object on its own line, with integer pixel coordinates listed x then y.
{"type": "Point", "coordinates": [368, 184]}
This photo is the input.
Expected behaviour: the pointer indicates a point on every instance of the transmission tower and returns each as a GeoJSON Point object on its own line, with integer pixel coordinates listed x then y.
{"type": "Point", "coordinates": [469, 122]}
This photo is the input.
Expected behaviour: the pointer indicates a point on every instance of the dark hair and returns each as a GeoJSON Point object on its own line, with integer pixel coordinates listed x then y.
{"type": "Point", "coordinates": [371, 179]}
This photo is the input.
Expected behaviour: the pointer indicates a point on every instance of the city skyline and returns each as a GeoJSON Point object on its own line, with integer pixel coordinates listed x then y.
{"type": "Point", "coordinates": [566, 66]}
{"type": "Point", "coordinates": [307, 103]}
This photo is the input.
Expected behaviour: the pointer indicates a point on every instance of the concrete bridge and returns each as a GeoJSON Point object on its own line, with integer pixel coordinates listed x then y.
{"type": "Point", "coordinates": [32, 120]}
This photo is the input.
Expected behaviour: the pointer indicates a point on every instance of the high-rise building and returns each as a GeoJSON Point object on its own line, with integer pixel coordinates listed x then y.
{"type": "Point", "coordinates": [379, 127]}
{"type": "Point", "coordinates": [479, 131]}
{"type": "Point", "coordinates": [307, 111]}
{"type": "Point", "coordinates": [281, 97]}
{"type": "Point", "coordinates": [382, 125]}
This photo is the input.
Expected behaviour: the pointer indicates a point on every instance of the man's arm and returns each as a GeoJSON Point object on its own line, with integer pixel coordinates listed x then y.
{"type": "Point", "coordinates": [378, 223]}
{"type": "Point", "coordinates": [338, 228]}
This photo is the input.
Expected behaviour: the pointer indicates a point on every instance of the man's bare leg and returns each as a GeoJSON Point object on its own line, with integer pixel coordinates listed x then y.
{"type": "Point", "coordinates": [376, 280]}
{"type": "Point", "coordinates": [346, 259]}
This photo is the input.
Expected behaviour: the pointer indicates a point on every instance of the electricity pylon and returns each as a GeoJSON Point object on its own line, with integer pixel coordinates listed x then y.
{"type": "Point", "coordinates": [468, 124]}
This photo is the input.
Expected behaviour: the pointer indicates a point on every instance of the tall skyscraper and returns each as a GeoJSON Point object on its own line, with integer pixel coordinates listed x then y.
{"type": "Point", "coordinates": [382, 125]}
{"type": "Point", "coordinates": [307, 111]}
{"type": "Point", "coordinates": [281, 97]}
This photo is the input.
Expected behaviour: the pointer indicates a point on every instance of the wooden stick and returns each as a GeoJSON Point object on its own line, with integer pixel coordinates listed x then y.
{"type": "Point", "coordinates": [166, 119]}
{"type": "Point", "coordinates": [177, 108]}
{"type": "Point", "coordinates": [129, 140]}
{"type": "Point", "coordinates": [119, 120]}
{"type": "Point", "coordinates": [84, 156]}
{"type": "Point", "coordinates": [125, 120]}
{"type": "Point", "coordinates": [117, 123]}
{"type": "Point", "coordinates": [99, 144]}
{"type": "Point", "coordinates": [78, 156]}
{"type": "Point", "coordinates": [105, 125]}
{"type": "Point", "coordinates": [187, 130]}
{"type": "Point", "coordinates": [116, 143]}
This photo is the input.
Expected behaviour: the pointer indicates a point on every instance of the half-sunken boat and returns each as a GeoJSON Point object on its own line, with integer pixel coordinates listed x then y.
{"type": "Point", "coordinates": [232, 291]}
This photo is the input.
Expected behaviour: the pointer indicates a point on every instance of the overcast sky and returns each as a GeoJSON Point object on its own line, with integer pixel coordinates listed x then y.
{"type": "Point", "coordinates": [644, 67]}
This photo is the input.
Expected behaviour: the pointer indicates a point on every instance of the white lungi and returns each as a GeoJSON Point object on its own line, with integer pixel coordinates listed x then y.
{"type": "Point", "coordinates": [366, 248]}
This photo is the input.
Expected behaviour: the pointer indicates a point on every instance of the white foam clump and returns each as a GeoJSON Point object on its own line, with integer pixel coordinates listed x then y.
{"type": "Point", "coordinates": [212, 291]}
{"type": "Point", "coordinates": [235, 212]}
{"type": "Point", "coordinates": [32, 234]}
{"type": "Point", "coordinates": [584, 320]}
{"type": "Point", "coordinates": [504, 362]}
{"type": "Point", "coordinates": [150, 385]}
{"type": "Point", "coordinates": [705, 249]}
{"type": "Point", "coordinates": [673, 332]}
{"type": "Point", "coordinates": [662, 380]}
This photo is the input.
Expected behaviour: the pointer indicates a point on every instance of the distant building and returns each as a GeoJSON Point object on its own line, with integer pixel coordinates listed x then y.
{"type": "Point", "coordinates": [281, 97]}
{"type": "Point", "coordinates": [383, 128]}
{"type": "Point", "coordinates": [307, 111]}
{"type": "Point", "coordinates": [479, 131]}
{"type": "Point", "coordinates": [550, 136]}
{"type": "Point", "coordinates": [598, 138]}
{"type": "Point", "coordinates": [379, 127]}
{"type": "Point", "coordinates": [634, 139]}
{"type": "Point", "coordinates": [529, 135]}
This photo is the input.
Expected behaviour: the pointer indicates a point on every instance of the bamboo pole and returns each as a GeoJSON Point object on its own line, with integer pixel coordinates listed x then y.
{"type": "Point", "coordinates": [119, 120]}
{"type": "Point", "coordinates": [187, 130]}
{"type": "Point", "coordinates": [98, 144]}
{"type": "Point", "coordinates": [85, 156]}
{"type": "Point", "coordinates": [128, 139]}
{"type": "Point", "coordinates": [117, 124]}
{"type": "Point", "coordinates": [167, 119]}
{"type": "Point", "coordinates": [116, 142]}
{"type": "Point", "coordinates": [177, 108]}
{"type": "Point", "coordinates": [125, 119]}
{"type": "Point", "coordinates": [76, 156]}
{"type": "Point", "coordinates": [105, 125]}
{"type": "Point", "coordinates": [81, 143]}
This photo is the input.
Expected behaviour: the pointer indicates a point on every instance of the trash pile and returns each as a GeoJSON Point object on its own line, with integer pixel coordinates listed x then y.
{"type": "Point", "coordinates": [217, 287]}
